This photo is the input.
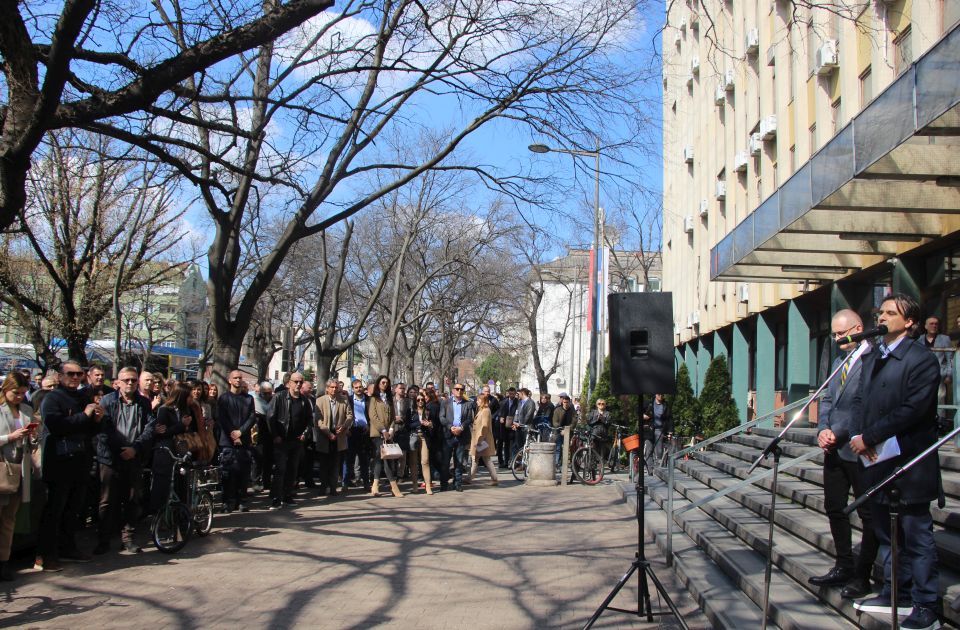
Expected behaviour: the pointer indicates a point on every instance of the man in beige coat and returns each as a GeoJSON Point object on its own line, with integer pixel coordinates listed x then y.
{"type": "Point", "coordinates": [334, 419]}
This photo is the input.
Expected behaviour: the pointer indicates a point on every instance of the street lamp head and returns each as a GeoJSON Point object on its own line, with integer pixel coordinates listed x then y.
{"type": "Point", "coordinates": [539, 148]}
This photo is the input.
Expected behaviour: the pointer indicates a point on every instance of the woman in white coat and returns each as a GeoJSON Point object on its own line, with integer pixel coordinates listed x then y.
{"type": "Point", "coordinates": [16, 443]}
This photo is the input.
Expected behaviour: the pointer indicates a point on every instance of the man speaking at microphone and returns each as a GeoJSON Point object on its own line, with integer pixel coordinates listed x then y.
{"type": "Point", "coordinates": [897, 399]}
{"type": "Point", "coordinates": [841, 472]}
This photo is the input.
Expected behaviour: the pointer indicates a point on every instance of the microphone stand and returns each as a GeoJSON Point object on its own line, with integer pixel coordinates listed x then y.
{"type": "Point", "coordinates": [893, 493]}
{"type": "Point", "coordinates": [773, 448]}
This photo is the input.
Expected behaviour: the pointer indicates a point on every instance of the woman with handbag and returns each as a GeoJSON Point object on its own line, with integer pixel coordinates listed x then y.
{"type": "Point", "coordinates": [419, 437]}
{"type": "Point", "coordinates": [481, 439]}
{"type": "Point", "coordinates": [381, 433]}
{"type": "Point", "coordinates": [17, 431]}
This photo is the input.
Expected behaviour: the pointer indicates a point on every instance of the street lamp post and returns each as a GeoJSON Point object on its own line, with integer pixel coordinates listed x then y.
{"type": "Point", "coordinates": [595, 361]}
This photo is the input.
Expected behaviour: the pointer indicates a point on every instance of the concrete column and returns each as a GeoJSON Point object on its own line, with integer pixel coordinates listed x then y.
{"type": "Point", "coordinates": [766, 365]}
{"type": "Point", "coordinates": [740, 369]}
{"type": "Point", "coordinates": [720, 346]}
{"type": "Point", "coordinates": [704, 353]}
{"type": "Point", "coordinates": [677, 358]}
{"type": "Point", "coordinates": [690, 358]}
{"type": "Point", "coordinates": [798, 353]}
{"type": "Point", "coordinates": [909, 276]}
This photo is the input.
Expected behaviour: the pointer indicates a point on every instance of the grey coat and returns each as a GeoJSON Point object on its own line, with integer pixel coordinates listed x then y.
{"type": "Point", "coordinates": [836, 407]}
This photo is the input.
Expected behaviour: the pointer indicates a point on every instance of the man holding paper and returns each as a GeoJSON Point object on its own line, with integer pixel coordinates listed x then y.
{"type": "Point", "coordinates": [897, 400]}
{"type": "Point", "coordinates": [841, 471]}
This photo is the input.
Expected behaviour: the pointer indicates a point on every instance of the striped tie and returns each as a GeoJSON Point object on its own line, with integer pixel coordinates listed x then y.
{"type": "Point", "coordinates": [844, 372]}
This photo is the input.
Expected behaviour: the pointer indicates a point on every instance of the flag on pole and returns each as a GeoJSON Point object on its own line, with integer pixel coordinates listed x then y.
{"type": "Point", "coordinates": [591, 290]}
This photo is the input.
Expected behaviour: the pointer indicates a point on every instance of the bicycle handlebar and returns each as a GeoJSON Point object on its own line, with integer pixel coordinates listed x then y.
{"type": "Point", "coordinates": [182, 459]}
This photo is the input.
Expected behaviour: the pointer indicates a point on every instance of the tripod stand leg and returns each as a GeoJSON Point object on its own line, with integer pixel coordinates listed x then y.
{"type": "Point", "coordinates": [613, 593]}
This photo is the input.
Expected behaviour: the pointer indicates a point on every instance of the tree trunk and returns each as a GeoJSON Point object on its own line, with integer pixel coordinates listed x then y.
{"type": "Point", "coordinates": [225, 358]}
{"type": "Point", "coordinates": [77, 347]}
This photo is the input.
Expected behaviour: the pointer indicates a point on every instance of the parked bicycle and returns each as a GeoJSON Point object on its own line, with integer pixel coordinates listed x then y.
{"type": "Point", "coordinates": [177, 519]}
{"type": "Point", "coordinates": [591, 460]}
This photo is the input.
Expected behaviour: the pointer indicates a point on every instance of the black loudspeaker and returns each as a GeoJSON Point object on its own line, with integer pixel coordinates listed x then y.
{"type": "Point", "coordinates": [641, 343]}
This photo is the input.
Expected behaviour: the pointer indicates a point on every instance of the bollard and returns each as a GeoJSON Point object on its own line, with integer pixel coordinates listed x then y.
{"type": "Point", "coordinates": [540, 467]}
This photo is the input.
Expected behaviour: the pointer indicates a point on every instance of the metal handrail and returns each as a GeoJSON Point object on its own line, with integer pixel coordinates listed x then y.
{"type": "Point", "coordinates": [673, 457]}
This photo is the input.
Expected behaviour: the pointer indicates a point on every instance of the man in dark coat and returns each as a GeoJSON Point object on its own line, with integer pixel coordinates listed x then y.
{"type": "Point", "coordinates": [235, 417]}
{"type": "Point", "coordinates": [897, 400]}
{"type": "Point", "coordinates": [456, 418]}
{"type": "Point", "coordinates": [841, 471]}
{"type": "Point", "coordinates": [70, 420]}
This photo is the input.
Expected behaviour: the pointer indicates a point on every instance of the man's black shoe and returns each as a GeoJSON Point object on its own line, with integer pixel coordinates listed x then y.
{"type": "Point", "coordinates": [276, 504]}
{"type": "Point", "coordinates": [458, 488]}
{"type": "Point", "coordinates": [289, 502]}
{"type": "Point", "coordinates": [856, 588]}
{"type": "Point", "coordinates": [242, 507]}
{"type": "Point", "coordinates": [921, 618]}
{"type": "Point", "coordinates": [835, 577]}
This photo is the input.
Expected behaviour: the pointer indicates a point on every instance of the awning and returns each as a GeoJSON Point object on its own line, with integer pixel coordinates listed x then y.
{"type": "Point", "coordinates": [887, 182]}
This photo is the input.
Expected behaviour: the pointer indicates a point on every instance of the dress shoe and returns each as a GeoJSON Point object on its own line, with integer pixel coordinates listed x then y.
{"type": "Point", "coordinates": [856, 588]}
{"type": "Point", "coordinates": [130, 549]}
{"type": "Point", "coordinates": [921, 618]}
{"type": "Point", "coordinates": [835, 577]}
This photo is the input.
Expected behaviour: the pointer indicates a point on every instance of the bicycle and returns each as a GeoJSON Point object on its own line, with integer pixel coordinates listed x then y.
{"type": "Point", "coordinates": [176, 520]}
{"type": "Point", "coordinates": [589, 463]}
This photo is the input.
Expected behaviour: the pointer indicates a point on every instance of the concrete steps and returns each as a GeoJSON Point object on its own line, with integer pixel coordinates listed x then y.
{"type": "Point", "coordinates": [722, 544]}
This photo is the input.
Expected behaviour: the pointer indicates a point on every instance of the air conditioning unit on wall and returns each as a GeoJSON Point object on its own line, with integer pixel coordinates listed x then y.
{"type": "Point", "coordinates": [721, 193]}
{"type": "Point", "coordinates": [729, 80]}
{"type": "Point", "coordinates": [756, 144]}
{"type": "Point", "coordinates": [743, 292]}
{"type": "Point", "coordinates": [688, 224]}
{"type": "Point", "coordinates": [688, 154]}
{"type": "Point", "coordinates": [768, 128]}
{"type": "Point", "coordinates": [827, 58]}
{"type": "Point", "coordinates": [752, 41]}
{"type": "Point", "coordinates": [704, 208]}
{"type": "Point", "coordinates": [740, 161]}
{"type": "Point", "coordinates": [720, 95]}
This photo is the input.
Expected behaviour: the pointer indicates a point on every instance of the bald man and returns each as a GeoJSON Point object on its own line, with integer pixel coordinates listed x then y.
{"type": "Point", "coordinates": [841, 470]}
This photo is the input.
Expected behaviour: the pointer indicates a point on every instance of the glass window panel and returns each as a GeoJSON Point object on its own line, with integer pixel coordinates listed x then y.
{"type": "Point", "coordinates": [938, 79]}
{"type": "Point", "coordinates": [885, 123]}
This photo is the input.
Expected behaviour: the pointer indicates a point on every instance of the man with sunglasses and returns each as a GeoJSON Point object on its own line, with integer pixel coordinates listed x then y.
{"type": "Point", "coordinates": [123, 439]}
{"type": "Point", "coordinates": [70, 421]}
{"type": "Point", "coordinates": [841, 472]}
{"type": "Point", "coordinates": [456, 418]}
{"type": "Point", "coordinates": [289, 420]}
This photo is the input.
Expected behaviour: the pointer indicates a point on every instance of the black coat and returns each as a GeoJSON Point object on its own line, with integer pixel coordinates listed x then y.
{"type": "Point", "coordinates": [235, 412]}
{"type": "Point", "coordinates": [67, 447]}
{"type": "Point", "coordinates": [900, 399]}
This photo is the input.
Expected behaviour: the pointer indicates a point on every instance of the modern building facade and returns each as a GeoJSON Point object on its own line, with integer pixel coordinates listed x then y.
{"type": "Point", "coordinates": [563, 338]}
{"type": "Point", "coordinates": [810, 164]}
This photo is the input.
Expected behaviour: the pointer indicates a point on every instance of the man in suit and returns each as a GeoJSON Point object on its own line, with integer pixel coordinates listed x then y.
{"type": "Point", "coordinates": [523, 420]}
{"type": "Point", "coordinates": [334, 419]}
{"type": "Point", "coordinates": [456, 418]}
{"type": "Point", "coordinates": [897, 399]}
{"type": "Point", "coordinates": [507, 413]}
{"type": "Point", "coordinates": [841, 472]}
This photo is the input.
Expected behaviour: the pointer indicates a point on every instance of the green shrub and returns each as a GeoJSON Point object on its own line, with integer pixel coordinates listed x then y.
{"type": "Point", "coordinates": [717, 408]}
{"type": "Point", "coordinates": [684, 406]}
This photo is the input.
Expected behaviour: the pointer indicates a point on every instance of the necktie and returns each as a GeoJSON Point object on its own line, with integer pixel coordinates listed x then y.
{"type": "Point", "coordinates": [844, 372]}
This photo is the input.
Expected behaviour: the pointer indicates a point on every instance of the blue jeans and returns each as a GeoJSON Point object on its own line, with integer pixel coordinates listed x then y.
{"type": "Point", "coordinates": [460, 454]}
{"type": "Point", "coordinates": [917, 551]}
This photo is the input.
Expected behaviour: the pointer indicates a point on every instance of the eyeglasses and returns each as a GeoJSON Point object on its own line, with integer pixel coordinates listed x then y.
{"type": "Point", "coordinates": [601, 404]}
{"type": "Point", "coordinates": [844, 333]}
{"type": "Point", "coordinates": [458, 389]}
{"type": "Point", "coordinates": [127, 380]}
{"type": "Point", "coordinates": [296, 382]}
{"type": "Point", "coordinates": [73, 374]}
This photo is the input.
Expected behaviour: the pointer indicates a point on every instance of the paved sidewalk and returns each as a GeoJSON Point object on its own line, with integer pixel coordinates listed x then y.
{"type": "Point", "coordinates": [490, 557]}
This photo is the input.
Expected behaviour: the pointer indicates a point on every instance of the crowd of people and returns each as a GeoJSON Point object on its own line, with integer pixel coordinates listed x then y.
{"type": "Point", "coordinates": [104, 453]}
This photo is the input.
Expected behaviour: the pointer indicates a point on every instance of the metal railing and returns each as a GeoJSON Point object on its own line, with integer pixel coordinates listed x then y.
{"type": "Point", "coordinates": [671, 461]}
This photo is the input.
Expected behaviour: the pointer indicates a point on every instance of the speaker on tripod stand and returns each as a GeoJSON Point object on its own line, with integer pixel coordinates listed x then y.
{"type": "Point", "coordinates": [641, 362]}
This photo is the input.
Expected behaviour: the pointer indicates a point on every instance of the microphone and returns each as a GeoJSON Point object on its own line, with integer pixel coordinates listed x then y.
{"type": "Point", "coordinates": [873, 332]}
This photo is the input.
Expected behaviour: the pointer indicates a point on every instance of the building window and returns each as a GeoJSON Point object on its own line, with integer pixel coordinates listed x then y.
{"type": "Point", "coordinates": [654, 284]}
{"type": "Point", "coordinates": [903, 50]}
{"type": "Point", "coordinates": [836, 115]}
{"type": "Point", "coordinates": [813, 138]}
{"type": "Point", "coordinates": [866, 87]}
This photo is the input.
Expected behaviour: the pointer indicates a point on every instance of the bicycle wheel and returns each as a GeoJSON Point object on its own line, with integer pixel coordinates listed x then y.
{"type": "Point", "coordinates": [203, 514]}
{"type": "Point", "coordinates": [517, 466]}
{"type": "Point", "coordinates": [171, 527]}
{"type": "Point", "coordinates": [587, 466]}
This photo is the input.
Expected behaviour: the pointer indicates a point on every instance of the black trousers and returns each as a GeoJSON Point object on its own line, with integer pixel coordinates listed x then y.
{"type": "Point", "coordinates": [504, 445]}
{"type": "Point", "coordinates": [329, 465]}
{"type": "Point", "coordinates": [66, 499]}
{"type": "Point", "coordinates": [234, 474]}
{"type": "Point", "coordinates": [359, 447]}
{"type": "Point", "coordinates": [286, 463]}
{"type": "Point", "coordinates": [839, 477]}
{"type": "Point", "coordinates": [120, 498]}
